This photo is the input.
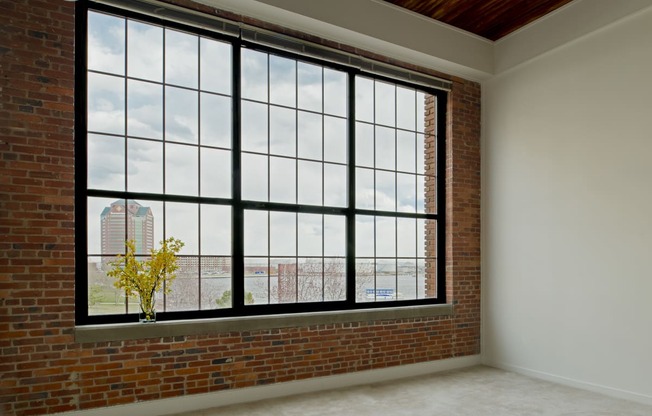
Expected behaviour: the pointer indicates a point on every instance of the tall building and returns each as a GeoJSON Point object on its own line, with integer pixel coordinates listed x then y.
{"type": "Point", "coordinates": [139, 222]}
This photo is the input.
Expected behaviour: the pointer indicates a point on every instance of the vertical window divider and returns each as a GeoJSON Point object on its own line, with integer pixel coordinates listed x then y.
{"type": "Point", "coordinates": [350, 212]}
{"type": "Point", "coordinates": [237, 233]}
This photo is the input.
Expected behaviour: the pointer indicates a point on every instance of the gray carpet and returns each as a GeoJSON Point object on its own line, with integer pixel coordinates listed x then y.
{"type": "Point", "coordinates": [474, 391]}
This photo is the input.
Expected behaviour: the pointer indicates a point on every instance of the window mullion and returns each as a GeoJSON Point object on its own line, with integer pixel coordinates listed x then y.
{"type": "Point", "coordinates": [237, 262]}
{"type": "Point", "coordinates": [350, 216]}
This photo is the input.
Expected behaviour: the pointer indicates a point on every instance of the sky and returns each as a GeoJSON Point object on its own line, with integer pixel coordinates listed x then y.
{"type": "Point", "coordinates": [173, 114]}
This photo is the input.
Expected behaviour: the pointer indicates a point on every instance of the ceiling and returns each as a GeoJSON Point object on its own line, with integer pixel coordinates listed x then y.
{"type": "Point", "coordinates": [491, 19]}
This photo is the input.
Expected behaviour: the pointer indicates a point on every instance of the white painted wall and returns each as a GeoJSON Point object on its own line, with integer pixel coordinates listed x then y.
{"type": "Point", "coordinates": [567, 206]}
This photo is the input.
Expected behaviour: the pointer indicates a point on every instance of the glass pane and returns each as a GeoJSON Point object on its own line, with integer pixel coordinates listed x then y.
{"type": "Point", "coordinates": [283, 234]}
{"type": "Point", "coordinates": [215, 173]}
{"type": "Point", "coordinates": [254, 177]}
{"type": "Point", "coordinates": [310, 86]}
{"type": "Point", "coordinates": [364, 236]}
{"type": "Point", "coordinates": [254, 75]}
{"type": "Point", "coordinates": [334, 279]}
{"type": "Point", "coordinates": [216, 282]}
{"type": "Point", "coordinates": [181, 169]}
{"type": "Point", "coordinates": [364, 192]}
{"type": "Point", "coordinates": [103, 297]}
{"type": "Point", "coordinates": [385, 144]}
{"type": "Point", "coordinates": [283, 81]}
{"type": "Point", "coordinates": [364, 145]}
{"type": "Point", "coordinates": [365, 280]}
{"type": "Point", "coordinates": [385, 237]}
{"type": "Point", "coordinates": [254, 127]}
{"type": "Point", "coordinates": [310, 183]}
{"type": "Point", "coordinates": [421, 192]}
{"type": "Point", "coordinates": [407, 279]}
{"type": "Point", "coordinates": [286, 270]}
{"type": "Point", "coordinates": [405, 108]}
{"type": "Point", "coordinates": [283, 180]}
{"type": "Point", "coordinates": [106, 224]}
{"type": "Point", "coordinates": [106, 162]}
{"type": "Point", "coordinates": [310, 135]}
{"type": "Point", "coordinates": [145, 109]}
{"type": "Point", "coordinates": [335, 185]}
{"type": "Point", "coordinates": [215, 122]}
{"type": "Point", "coordinates": [143, 220]}
{"type": "Point", "coordinates": [385, 100]}
{"type": "Point", "coordinates": [422, 154]}
{"type": "Point", "coordinates": [215, 230]}
{"type": "Point", "coordinates": [144, 166]}
{"type": "Point", "coordinates": [310, 280]}
{"type": "Point", "coordinates": [283, 131]}
{"type": "Point", "coordinates": [405, 151]}
{"type": "Point", "coordinates": [364, 99]}
{"type": "Point", "coordinates": [182, 223]}
{"type": "Point", "coordinates": [334, 235]}
{"type": "Point", "coordinates": [310, 235]}
{"type": "Point", "coordinates": [256, 233]}
{"type": "Point", "coordinates": [181, 115]}
{"type": "Point", "coordinates": [144, 51]}
{"type": "Point", "coordinates": [181, 59]}
{"type": "Point", "coordinates": [215, 66]}
{"type": "Point", "coordinates": [406, 236]}
{"type": "Point", "coordinates": [406, 192]}
{"type": "Point", "coordinates": [257, 281]}
{"type": "Point", "coordinates": [385, 280]}
{"type": "Point", "coordinates": [385, 191]}
{"type": "Point", "coordinates": [335, 92]}
{"type": "Point", "coordinates": [106, 43]}
{"type": "Point", "coordinates": [184, 295]}
{"type": "Point", "coordinates": [422, 116]}
{"type": "Point", "coordinates": [335, 139]}
{"type": "Point", "coordinates": [106, 104]}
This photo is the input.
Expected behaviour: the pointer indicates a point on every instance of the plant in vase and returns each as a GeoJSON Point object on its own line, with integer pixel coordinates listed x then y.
{"type": "Point", "coordinates": [146, 277]}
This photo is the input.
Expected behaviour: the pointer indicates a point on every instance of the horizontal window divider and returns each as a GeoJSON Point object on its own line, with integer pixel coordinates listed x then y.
{"type": "Point", "coordinates": [417, 215]}
{"type": "Point", "coordinates": [99, 193]}
{"type": "Point", "coordinates": [278, 206]}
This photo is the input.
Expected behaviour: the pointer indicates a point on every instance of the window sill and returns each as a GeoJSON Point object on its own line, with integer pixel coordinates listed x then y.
{"type": "Point", "coordinates": [121, 332]}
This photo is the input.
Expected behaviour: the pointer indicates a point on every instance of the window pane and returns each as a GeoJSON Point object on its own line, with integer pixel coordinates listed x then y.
{"type": "Point", "coordinates": [422, 154]}
{"type": "Point", "coordinates": [254, 127]}
{"type": "Point", "coordinates": [406, 192]}
{"type": "Point", "coordinates": [184, 295]}
{"type": "Point", "coordinates": [257, 281]}
{"type": "Point", "coordinates": [335, 92]}
{"type": "Point", "coordinates": [385, 237]}
{"type": "Point", "coordinates": [144, 220]}
{"type": "Point", "coordinates": [283, 181]}
{"type": "Point", "coordinates": [283, 81]}
{"type": "Point", "coordinates": [106, 162]}
{"type": "Point", "coordinates": [106, 43]}
{"type": "Point", "coordinates": [335, 185]}
{"type": "Point", "coordinates": [421, 192]}
{"type": "Point", "coordinates": [364, 99]}
{"type": "Point", "coordinates": [181, 115]}
{"type": "Point", "coordinates": [406, 235]}
{"type": "Point", "coordinates": [283, 234]}
{"type": "Point", "coordinates": [215, 123]}
{"type": "Point", "coordinates": [365, 280]}
{"type": "Point", "coordinates": [144, 51]}
{"type": "Point", "coordinates": [335, 138]}
{"type": "Point", "coordinates": [106, 104]}
{"type": "Point", "coordinates": [385, 143]}
{"type": "Point", "coordinates": [310, 235]}
{"type": "Point", "coordinates": [310, 280]}
{"type": "Point", "coordinates": [103, 297]}
{"type": "Point", "coordinates": [145, 109]}
{"type": "Point", "coordinates": [364, 236]}
{"type": "Point", "coordinates": [334, 279]}
{"type": "Point", "coordinates": [144, 166]}
{"type": "Point", "coordinates": [215, 180]}
{"type": "Point", "coordinates": [364, 189]}
{"type": "Point", "coordinates": [334, 235]}
{"type": "Point", "coordinates": [385, 100]}
{"type": "Point", "coordinates": [385, 280]}
{"type": "Point", "coordinates": [405, 108]}
{"type": "Point", "coordinates": [181, 59]}
{"type": "Point", "coordinates": [421, 111]}
{"type": "Point", "coordinates": [385, 191]}
{"type": "Point", "coordinates": [310, 135]}
{"type": "Point", "coordinates": [181, 169]}
{"type": "Point", "coordinates": [215, 66]}
{"type": "Point", "coordinates": [283, 131]}
{"type": "Point", "coordinates": [405, 151]}
{"type": "Point", "coordinates": [364, 145]}
{"type": "Point", "coordinates": [106, 226]}
{"type": "Point", "coordinates": [215, 230]}
{"type": "Point", "coordinates": [407, 279]}
{"type": "Point", "coordinates": [310, 183]}
{"type": "Point", "coordinates": [310, 86]}
{"type": "Point", "coordinates": [216, 282]}
{"type": "Point", "coordinates": [255, 233]}
{"type": "Point", "coordinates": [287, 279]}
{"type": "Point", "coordinates": [254, 177]}
{"type": "Point", "coordinates": [182, 223]}
{"type": "Point", "coordinates": [254, 75]}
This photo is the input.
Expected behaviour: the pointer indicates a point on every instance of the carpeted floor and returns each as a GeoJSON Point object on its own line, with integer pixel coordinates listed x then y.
{"type": "Point", "coordinates": [476, 391]}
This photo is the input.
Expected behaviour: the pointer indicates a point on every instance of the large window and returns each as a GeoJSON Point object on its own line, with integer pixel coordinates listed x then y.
{"type": "Point", "coordinates": [296, 184]}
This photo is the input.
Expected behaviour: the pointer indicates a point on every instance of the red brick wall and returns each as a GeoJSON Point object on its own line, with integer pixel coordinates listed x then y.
{"type": "Point", "coordinates": [43, 370]}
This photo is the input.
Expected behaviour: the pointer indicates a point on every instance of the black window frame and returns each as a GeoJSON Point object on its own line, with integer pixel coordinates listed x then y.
{"type": "Point", "coordinates": [238, 205]}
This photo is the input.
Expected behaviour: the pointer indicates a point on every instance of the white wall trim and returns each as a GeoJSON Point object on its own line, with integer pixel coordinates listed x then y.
{"type": "Point", "coordinates": [197, 402]}
{"type": "Point", "coordinates": [570, 382]}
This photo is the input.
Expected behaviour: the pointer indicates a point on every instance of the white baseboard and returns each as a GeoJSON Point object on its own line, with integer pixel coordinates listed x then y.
{"type": "Point", "coordinates": [584, 385]}
{"type": "Point", "coordinates": [197, 402]}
